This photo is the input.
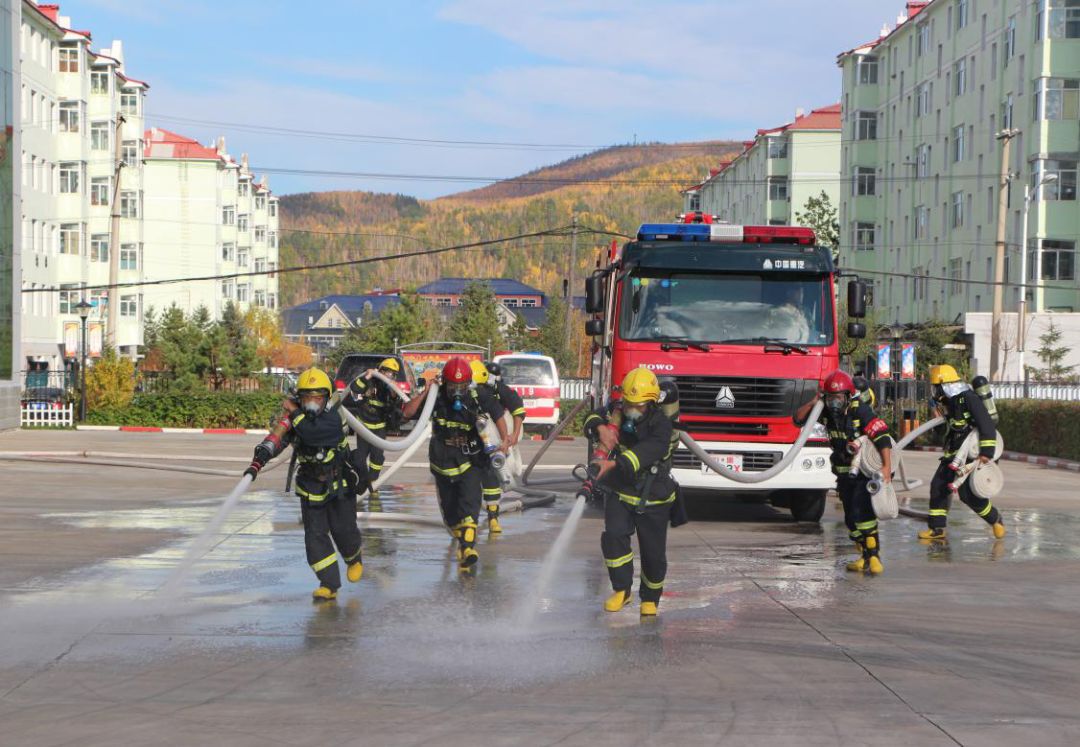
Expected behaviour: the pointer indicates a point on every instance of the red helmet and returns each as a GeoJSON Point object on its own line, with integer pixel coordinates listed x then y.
{"type": "Point", "coordinates": [457, 371]}
{"type": "Point", "coordinates": [839, 381]}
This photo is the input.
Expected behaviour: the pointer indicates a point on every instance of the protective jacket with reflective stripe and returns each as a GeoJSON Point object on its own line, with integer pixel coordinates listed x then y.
{"type": "Point", "coordinates": [965, 411]}
{"type": "Point", "coordinates": [510, 400]}
{"type": "Point", "coordinates": [455, 442]}
{"type": "Point", "coordinates": [642, 446]}
{"type": "Point", "coordinates": [322, 452]}
{"type": "Point", "coordinates": [858, 420]}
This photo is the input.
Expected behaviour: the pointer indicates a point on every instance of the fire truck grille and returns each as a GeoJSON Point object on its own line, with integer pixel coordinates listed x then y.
{"type": "Point", "coordinates": [753, 461]}
{"type": "Point", "coordinates": [725, 429]}
{"type": "Point", "coordinates": [736, 396]}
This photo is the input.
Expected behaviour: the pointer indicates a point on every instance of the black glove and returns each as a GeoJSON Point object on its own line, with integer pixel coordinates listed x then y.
{"type": "Point", "coordinates": [263, 454]}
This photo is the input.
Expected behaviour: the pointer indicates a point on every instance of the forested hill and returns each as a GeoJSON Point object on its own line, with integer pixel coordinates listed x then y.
{"type": "Point", "coordinates": [613, 189]}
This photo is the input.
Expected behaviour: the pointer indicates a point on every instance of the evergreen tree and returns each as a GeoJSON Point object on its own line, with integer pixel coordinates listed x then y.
{"type": "Point", "coordinates": [1053, 354]}
{"type": "Point", "coordinates": [476, 320]}
{"type": "Point", "coordinates": [552, 338]}
{"type": "Point", "coordinates": [820, 215]}
{"type": "Point", "coordinates": [412, 319]}
{"type": "Point", "coordinates": [240, 358]}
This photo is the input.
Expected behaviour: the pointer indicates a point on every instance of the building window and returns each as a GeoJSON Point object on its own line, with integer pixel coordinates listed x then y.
{"type": "Point", "coordinates": [242, 188]}
{"type": "Point", "coordinates": [228, 252]}
{"type": "Point", "coordinates": [960, 78]}
{"type": "Point", "coordinates": [1057, 98]}
{"type": "Point", "coordinates": [922, 39]}
{"type": "Point", "coordinates": [69, 59]}
{"type": "Point", "coordinates": [243, 293]}
{"type": "Point", "coordinates": [956, 269]}
{"type": "Point", "coordinates": [963, 9]}
{"type": "Point", "coordinates": [922, 161]}
{"type": "Point", "coordinates": [444, 302]}
{"type": "Point", "coordinates": [778, 188]}
{"type": "Point", "coordinates": [865, 182]}
{"type": "Point", "coordinates": [99, 191]}
{"type": "Point", "coordinates": [260, 202]}
{"type": "Point", "coordinates": [69, 116]}
{"type": "Point", "coordinates": [228, 215]}
{"type": "Point", "coordinates": [259, 298]}
{"type": "Point", "coordinates": [242, 223]}
{"type": "Point", "coordinates": [129, 256]}
{"type": "Point", "coordinates": [777, 147]}
{"type": "Point", "coordinates": [99, 82]}
{"type": "Point", "coordinates": [1058, 260]}
{"type": "Point", "coordinates": [99, 247]}
{"type": "Point", "coordinates": [69, 298]}
{"type": "Point", "coordinates": [99, 135]}
{"type": "Point", "coordinates": [272, 207]}
{"type": "Point", "coordinates": [242, 257]}
{"type": "Point", "coordinates": [1064, 188]}
{"type": "Point", "coordinates": [227, 289]}
{"type": "Point", "coordinates": [271, 300]}
{"type": "Point", "coordinates": [129, 152]}
{"type": "Point", "coordinates": [959, 153]}
{"type": "Point", "coordinates": [129, 204]}
{"type": "Point", "coordinates": [129, 306]}
{"type": "Point", "coordinates": [923, 99]}
{"type": "Point", "coordinates": [1010, 42]}
{"type": "Point", "coordinates": [863, 237]}
{"type": "Point", "coordinates": [271, 267]}
{"type": "Point", "coordinates": [260, 265]}
{"type": "Point", "coordinates": [272, 239]}
{"type": "Point", "coordinates": [1063, 18]}
{"type": "Point", "coordinates": [1006, 113]}
{"type": "Point", "coordinates": [69, 178]}
{"type": "Point", "coordinates": [70, 233]}
{"type": "Point", "coordinates": [129, 102]}
{"type": "Point", "coordinates": [922, 222]}
{"type": "Point", "coordinates": [867, 71]}
{"type": "Point", "coordinates": [958, 210]}
{"type": "Point", "coordinates": [866, 126]}
{"type": "Point", "coordinates": [260, 234]}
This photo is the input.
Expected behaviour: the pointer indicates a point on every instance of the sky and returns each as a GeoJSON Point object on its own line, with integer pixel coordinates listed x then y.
{"type": "Point", "coordinates": [354, 88]}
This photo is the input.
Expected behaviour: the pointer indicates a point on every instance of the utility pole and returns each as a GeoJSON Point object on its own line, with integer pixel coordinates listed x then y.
{"type": "Point", "coordinates": [572, 276]}
{"type": "Point", "coordinates": [1005, 136]}
{"type": "Point", "coordinates": [114, 238]}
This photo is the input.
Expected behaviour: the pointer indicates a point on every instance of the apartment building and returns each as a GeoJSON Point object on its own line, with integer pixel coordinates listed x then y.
{"type": "Point", "coordinates": [770, 181]}
{"type": "Point", "coordinates": [10, 14]}
{"type": "Point", "coordinates": [923, 108]}
{"type": "Point", "coordinates": [206, 214]}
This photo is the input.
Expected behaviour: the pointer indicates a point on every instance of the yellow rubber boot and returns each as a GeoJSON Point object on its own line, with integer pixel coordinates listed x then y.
{"type": "Point", "coordinates": [859, 564]}
{"type": "Point", "coordinates": [648, 609]}
{"type": "Point", "coordinates": [493, 518]}
{"type": "Point", "coordinates": [469, 556]}
{"type": "Point", "coordinates": [323, 594]}
{"type": "Point", "coordinates": [930, 535]}
{"type": "Point", "coordinates": [873, 562]}
{"type": "Point", "coordinates": [355, 571]}
{"type": "Point", "coordinates": [617, 601]}
{"type": "Point", "coordinates": [999, 529]}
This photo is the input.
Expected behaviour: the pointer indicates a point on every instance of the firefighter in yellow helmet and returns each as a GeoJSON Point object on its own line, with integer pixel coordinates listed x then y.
{"type": "Point", "coordinates": [963, 411]}
{"type": "Point", "coordinates": [325, 480]}
{"type": "Point", "coordinates": [640, 494]}
{"type": "Point", "coordinates": [378, 409]}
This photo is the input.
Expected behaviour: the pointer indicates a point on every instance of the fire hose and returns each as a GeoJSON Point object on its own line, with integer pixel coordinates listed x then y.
{"type": "Point", "coordinates": [400, 444]}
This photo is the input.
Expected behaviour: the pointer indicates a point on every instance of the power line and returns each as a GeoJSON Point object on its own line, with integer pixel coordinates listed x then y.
{"type": "Point", "coordinates": [1004, 283]}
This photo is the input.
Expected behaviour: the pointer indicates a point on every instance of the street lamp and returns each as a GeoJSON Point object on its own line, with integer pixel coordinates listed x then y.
{"type": "Point", "coordinates": [1021, 317]}
{"type": "Point", "coordinates": [84, 311]}
{"type": "Point", "coordinates": [896, 331]}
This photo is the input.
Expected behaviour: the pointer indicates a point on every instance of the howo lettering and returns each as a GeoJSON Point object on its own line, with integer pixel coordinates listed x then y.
{"type": "Point", "coordinates": [743, 319]}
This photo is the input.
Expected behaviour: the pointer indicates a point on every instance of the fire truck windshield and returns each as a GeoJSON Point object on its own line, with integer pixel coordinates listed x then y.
{"type": "Point", "coordinates": [739, 308]}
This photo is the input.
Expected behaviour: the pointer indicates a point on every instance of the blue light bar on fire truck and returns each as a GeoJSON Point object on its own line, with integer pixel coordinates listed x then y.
{"type": "Point", "coordinates": [726, 233]}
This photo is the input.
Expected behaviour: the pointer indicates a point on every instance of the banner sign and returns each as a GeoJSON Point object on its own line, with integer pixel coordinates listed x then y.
{"type": "Point", "coordinates": [95, 336]}
{"type": "Point", "coordinates": [428, 364]}
{"type": "Point", "coordinates": [884, 360]}
{"type": "Point", "coordinates": [907, 361]}
{"type": "Point", "coordinates": [71, 339]}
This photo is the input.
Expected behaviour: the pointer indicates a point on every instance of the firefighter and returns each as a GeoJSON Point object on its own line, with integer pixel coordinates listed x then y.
{"type": "Point", "coordinates": [963, 411]}
{"type": "Point", "coordinates": [456, 451]}
{"type": "Point", "coordinates": [378, 408]}
{"type": "Point", "coordinates": [325, 480]}
{"type": "Point", "coordinates": [511, 403]}
{"type": "Point", "coordinates": [640, 493]}
{"type": "Point", "coordinates": [847, 415]}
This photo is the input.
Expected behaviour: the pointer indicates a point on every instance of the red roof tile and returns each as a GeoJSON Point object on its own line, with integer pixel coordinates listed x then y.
{"type": "Point", "coordinates": [164, 144]}
{"type": "Point", "coordinates": [826, 118]}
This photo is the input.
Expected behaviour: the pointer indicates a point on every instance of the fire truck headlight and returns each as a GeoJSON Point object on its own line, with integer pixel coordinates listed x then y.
{"type": "Point", "coordinates": [807, 464]}
{"type": "Point", "coordinates": [820, 462]}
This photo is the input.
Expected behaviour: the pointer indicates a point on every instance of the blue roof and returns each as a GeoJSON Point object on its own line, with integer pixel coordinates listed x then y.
{"type": "Point", "coordinates": [534, 317]}
{"type": "Point", "coordinates": [295, 318]}
{"type": "Point", "coordinates": [499, 286]}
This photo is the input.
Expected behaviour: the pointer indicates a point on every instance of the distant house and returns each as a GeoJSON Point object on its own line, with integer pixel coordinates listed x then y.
{"type": "Point", "coordinates": [322, 323]}
{"type": "Point", "coordinates": [516, 299]}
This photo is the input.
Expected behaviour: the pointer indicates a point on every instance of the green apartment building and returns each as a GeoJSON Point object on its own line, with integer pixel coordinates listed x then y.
{"type": "Point", "coordinates": [922, 108]}
{"type": "Point", "coordinates": [776, 173]}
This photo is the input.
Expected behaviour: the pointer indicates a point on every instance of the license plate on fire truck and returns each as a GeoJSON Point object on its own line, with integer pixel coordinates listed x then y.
{"type": "Point", "coordinates": [531, 403]}
{"type": "Point", "coordinates": [732, 462]}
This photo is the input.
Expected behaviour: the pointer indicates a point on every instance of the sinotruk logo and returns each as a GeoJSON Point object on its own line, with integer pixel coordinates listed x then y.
{"type": "Point", "coordinates": [725, 400]}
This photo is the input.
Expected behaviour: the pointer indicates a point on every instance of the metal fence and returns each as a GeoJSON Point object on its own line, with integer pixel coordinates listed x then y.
{"type": "Point", "coordinates": [155, 382]}
{"type": "Point", "coordinates": [574, 388]}
{"type": "Point", "coordinates": [1034, 390]}
{"type": "Point", "coordinates": [47, 417]}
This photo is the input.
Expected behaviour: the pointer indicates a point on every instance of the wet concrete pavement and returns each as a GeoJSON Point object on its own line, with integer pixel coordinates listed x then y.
{"type": "Point", "coordinates": [762, 638]}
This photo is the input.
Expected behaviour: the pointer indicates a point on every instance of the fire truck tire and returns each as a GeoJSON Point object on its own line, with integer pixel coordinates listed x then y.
{"type": "Point", "coordinates": [808, 505]}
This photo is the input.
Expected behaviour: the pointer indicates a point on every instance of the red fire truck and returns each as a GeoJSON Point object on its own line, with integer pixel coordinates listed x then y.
{"type": "Point", "coordinates": [743, 319]}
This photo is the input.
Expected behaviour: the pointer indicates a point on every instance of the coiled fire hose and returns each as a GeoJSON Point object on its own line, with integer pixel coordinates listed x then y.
{"type": "Point", "coordinates": [400, 444]}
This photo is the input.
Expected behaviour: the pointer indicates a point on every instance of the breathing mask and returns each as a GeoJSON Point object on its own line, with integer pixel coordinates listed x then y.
{"type": "Point", "coordinates": [312, 403]}
{"type": "Point", "coordinates": [837, 403]}
{"type": "Point", "coordinates": [456, 394]}
{"type": "Point", "coordinates": [633, 413]}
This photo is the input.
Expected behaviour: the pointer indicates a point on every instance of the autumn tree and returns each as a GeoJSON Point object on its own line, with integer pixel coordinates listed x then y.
{"type": "Point", "coordinates": [476, 319]}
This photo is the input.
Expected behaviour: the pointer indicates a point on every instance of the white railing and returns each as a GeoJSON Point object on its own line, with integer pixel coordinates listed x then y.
{"type": "Point", "coordinates": [62, 417]}
{"type": "Point", "coordinates": [1016, 390]}
{"type": "Point", "coordinates": [574, 388]}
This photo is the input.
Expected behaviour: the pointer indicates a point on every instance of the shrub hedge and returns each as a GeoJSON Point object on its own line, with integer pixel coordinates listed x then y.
{"type": "Point", "coordinates": [195, 410]}
{"type": "Point", "coordinates": [1041, 427]}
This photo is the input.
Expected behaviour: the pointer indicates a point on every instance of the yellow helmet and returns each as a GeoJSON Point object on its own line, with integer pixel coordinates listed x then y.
{"type": "Point", "coordinates": [391, 364]}
{"type": "Point", "coordinates": [479, 372]}
{"type": "Point", "coordinates": [312, 380]}
{"type": "Point", "coordinates": [943, 374]}
{"type": "Point", "coordinates": [640, 385]}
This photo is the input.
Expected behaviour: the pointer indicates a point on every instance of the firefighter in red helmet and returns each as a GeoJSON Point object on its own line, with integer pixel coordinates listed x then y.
{"type": "Point", "coordinates": [847, 417]}
{"type": "Point", "coordinates": [456, 451]}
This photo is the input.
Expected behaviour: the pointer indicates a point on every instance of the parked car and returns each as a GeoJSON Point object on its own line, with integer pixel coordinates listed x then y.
{"type": "Point", "coordinates": [355, 364]}
{"type": "Point", "coordinates": [536, 378]}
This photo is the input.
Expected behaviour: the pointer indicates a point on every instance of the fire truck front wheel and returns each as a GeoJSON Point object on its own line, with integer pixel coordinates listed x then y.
{"type": "Point", "coordinates": [807, 505]}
